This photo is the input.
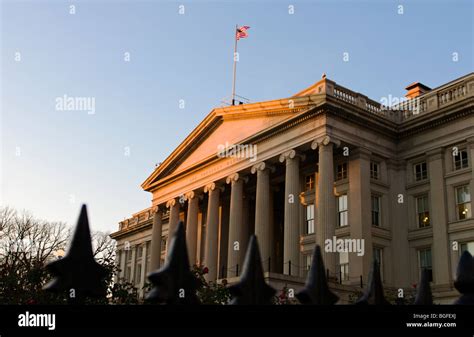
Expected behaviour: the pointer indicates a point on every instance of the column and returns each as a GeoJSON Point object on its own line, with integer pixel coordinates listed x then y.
{"type": "Point", "coordinates": [470, 142]}
{"type": "Point", "coordinates": [291, 239]}
{"type": "Point", "coordinates": [274, 259]}
{"type": "Point", "coordinates": [325, 200]}
{"type": "Point", "coordinates": [200, 238]}
{"type": "Point", "coordinates": [173, 205]}
{"type": "Point", "coordinates": [224, 214]}
{"type": "Point", "coordinates": [143, 275]}
{"type": "Point", "coordinates": [399, 220]}
{"type": "Point", "coordinates": [123, 256]}
{"type": "Point", "coordinates": [263, 209]}
{"type": "Point", "coordinates": [192, 226]}
{"type": "Point", "coordinates": [360, 210]}
{"type": "Point", "coordinates": [155, 257]}
{"type": "Point", "coordinates": [237, 235]}
{"type": "Point", "coordinates": [245, 228]}
{"type": "Point", "coordinates": [212, 230]}
{"type": "Point", "coordinates": [202, 229]}
{"type": "Point", "coordinates": [133, 265]}
{"type": "Point", "coordinates": [438, 217]}
{"type": "Point", "coordinates": [470, 147]}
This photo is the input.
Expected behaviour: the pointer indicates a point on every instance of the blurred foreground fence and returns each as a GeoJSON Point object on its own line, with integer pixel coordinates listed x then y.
{"type": "Point", "coordinates": [80, 275]}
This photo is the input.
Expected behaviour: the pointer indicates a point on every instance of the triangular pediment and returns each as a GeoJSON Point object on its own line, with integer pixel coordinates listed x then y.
{"type": "Point", "coordinates": [228, 126]}
{"type": "Point", "coordinates": [233, 131]}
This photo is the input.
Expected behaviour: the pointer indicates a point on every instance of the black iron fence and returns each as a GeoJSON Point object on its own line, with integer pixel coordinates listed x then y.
{"type": "Point", "coordinates": [175, 283]}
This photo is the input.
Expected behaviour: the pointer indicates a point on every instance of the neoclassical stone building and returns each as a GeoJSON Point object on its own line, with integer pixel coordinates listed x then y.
{"type": "Point", "coordinates": [325, 163]}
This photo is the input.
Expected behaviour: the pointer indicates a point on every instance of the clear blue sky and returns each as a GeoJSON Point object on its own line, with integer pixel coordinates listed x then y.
{"type": "Point", "coordinates": [66, 154]}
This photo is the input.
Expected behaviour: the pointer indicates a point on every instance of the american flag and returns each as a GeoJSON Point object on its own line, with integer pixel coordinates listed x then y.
{"type": "Point", "coordinates": [242, 32]}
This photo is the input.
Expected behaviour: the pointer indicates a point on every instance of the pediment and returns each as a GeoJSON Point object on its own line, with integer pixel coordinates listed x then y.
{"type": "Point", "coordinates": [228, 126]}
{"type": "Point", "coordinates": [228, 133]}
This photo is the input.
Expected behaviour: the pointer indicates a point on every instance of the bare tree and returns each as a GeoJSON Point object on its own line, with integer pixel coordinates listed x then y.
{"type": "Point", "coordinates": [104, 246]}
{"type": "Point", "coordinates": [24, 239]}
{"type": "Point", "coordinates": [27, 238]}
{"type": "Point", "coordinates": [27, 244]}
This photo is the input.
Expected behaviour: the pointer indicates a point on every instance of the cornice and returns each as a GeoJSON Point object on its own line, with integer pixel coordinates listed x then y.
{"type": "Point", "coordinates": [359, 116]}
{"type": "Point", "coordinates": [133, 229]}
{"type": "Point", "coordinates": [437, 118]}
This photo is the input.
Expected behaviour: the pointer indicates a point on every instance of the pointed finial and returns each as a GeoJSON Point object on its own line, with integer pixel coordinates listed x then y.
{"type": "Point", "coordinates": [175, 283]}
{"type": "Point", "coordinates": [81, 244]}
{"type": "Point", "coordinates": [465, 279]}
{"type": "Point", "coordinates": [423, 293]}
{"type": "Point", "coordinates": [374, 292]}
{"type": "Point", "coordinates": [252, 288]}
{"type": "Point", "coordinates": [77, 272]}
{"type": "Point", "coordinates": [316, 290]}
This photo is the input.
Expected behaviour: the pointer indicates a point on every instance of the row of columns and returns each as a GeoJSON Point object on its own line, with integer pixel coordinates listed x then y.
{"type": "Point", "coordinates": [238, 231]}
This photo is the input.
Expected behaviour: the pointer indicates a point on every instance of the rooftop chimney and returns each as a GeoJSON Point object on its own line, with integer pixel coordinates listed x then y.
{"type": "Point", "coordinates": [416, 89]}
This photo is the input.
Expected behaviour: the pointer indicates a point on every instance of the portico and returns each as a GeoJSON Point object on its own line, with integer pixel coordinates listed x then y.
{"type": "Point", "coordinates": [258, 183]}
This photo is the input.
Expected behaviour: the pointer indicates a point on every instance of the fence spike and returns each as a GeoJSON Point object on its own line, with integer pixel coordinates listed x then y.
{"type": "Point", "coordinates": [423, 293]}
{"type": "Point", "coordinates": [252, 288]}
{"type": "Point", "coordinates": [465, 279]}
{"type": "Point", "coordinates": [174, 283]}
{"type": "Point", "coordinates": [374, 292]}
{"type": "Point", "coordinates": [316, 290]}
{"type": "Point", "coordinates": [78, 272]}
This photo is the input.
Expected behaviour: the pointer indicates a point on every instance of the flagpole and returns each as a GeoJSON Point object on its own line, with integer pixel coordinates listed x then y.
{"type": "Point", "coordinates": [235, 64]}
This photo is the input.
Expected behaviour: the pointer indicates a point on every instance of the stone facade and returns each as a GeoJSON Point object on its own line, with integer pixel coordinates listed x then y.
{"type": "Point", "coordinates": [326, 162]}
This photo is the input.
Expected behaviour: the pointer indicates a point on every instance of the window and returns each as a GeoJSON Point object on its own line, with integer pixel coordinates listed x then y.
{"type": "Point", "coordinates": [423, 212]}
{"type": "Point", "coordinates": [460, 160]}
{"type": "Point", "coordinates": [310, 219]}
{"type": "Point", "coordinates": [463, 202]}
{"type": "Point", "coordinates": [118, 259]}
{"type": "Point", "coordinates": [148, 257]}
{"type": "Point", "coordinates": [421, 171]}
{"type": "Point", "coordinates": [469, 246]}
{"type": "Point", "coordinates": [344, 266]}
{"type": "Point", "coordinates": [139, 252]}
{"type": "Point", "coordinates": [425, 262]}
{"type": "Point", "coordinates": [163, 244]}
{"type": "Point", "coordinates": [128, 267]}
{"type": "Point", "coordinates": [375, 210]}
{"type": "Point", "coordinates": [378, 256]}
{"type": "Point", "coordinates": [309, 182]}
{"type": "Point", "coordinates": [138, 273]}
{"type": "Point", "coordinates": [308, 259]}
{"type": "Point", "coordinates": [342, 210]}
{"type": "Point", "coordinates": [148, 248]}
{"type": "Point", "coordinates": [128, 272]}
{"type": "Point", "coordinates": [374, 170]}
{"type": "Point", "coordinates": [341, 172]}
